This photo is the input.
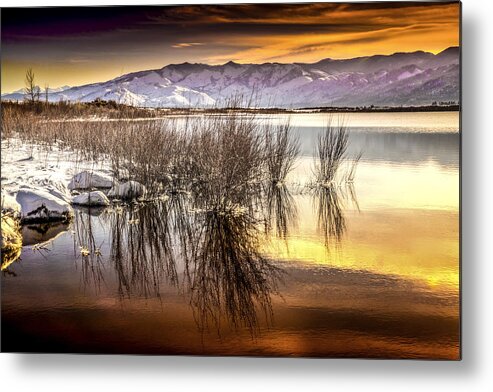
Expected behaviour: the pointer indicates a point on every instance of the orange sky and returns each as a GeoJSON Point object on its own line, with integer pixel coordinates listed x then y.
{"type": "Point", "coordinates": [75, 46]}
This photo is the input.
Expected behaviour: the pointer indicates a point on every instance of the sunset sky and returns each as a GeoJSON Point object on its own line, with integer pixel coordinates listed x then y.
{"type": "Point", "coordinates": [73, 46]}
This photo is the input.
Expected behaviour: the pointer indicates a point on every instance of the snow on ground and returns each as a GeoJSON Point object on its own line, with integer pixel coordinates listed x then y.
{"type": "Point", "coordinates": [33, 167]}
{"type": "Point", "coordinates": [35, 187]}
{"type": "Point", "coordinates": [37, 179]}
{"type": "Point", "coordinates": [44, 181]}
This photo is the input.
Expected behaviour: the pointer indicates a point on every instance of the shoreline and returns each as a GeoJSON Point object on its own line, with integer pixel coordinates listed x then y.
{"type": "Point", "coordinates": [404, 109]}
{"type": "Point", "coordinates": [114, 106]}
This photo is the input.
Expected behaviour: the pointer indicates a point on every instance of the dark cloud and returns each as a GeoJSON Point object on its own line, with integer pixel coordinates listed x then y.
{"type": "Point", "coordinates": [274, 18]}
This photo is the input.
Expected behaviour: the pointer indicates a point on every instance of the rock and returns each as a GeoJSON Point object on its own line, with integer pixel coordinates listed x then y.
{"type": "Point", "coordinates": [88, 180]}
{"type": "Point", "coordinates": [95, 199]}
{"type": "Point", "coordinates": [52, 185]}
{"type": "Point", "coordinates": [38, 205]}
{"type": "Point", "coordinates": [127, 190]}
{"type": "Point", "coordinates": [57, 188]}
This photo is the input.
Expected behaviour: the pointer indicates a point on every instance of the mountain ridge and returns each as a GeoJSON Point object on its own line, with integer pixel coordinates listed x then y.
{"type": "Point", "coordinates": [402, 78]}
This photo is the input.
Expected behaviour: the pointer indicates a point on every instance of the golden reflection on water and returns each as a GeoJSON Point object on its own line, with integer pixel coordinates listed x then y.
{"type": "Point", "coordinates": [426, 186]}
{"type": "Point", "coordinates": [407, 225]}
{"type": "Point", "coordinates": [395, 243]}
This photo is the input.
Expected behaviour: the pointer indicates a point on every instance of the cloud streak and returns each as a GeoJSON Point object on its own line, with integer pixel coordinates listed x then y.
{"type": "Point", "coordinates": [186, 45]}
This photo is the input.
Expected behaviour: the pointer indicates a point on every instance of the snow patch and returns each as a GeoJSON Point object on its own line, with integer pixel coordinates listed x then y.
{"type": "Point", "coordinates": [95, 199]}
{"type": "Point", "coordinates": [87, 180]}
{"type": "Point", "coordinates": [409, 74]}
{"type": "Point", "coordinates": [51, 184]}
{"type": "Point", "coordinates": [40, 205]}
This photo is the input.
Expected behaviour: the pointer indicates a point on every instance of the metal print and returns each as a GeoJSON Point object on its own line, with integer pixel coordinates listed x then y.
{"type": "Point", "coordinates": [248, 179]}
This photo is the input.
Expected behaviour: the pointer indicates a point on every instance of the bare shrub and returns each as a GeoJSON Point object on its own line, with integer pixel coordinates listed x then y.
{"type": "Point", "coordinates": [331, 151]}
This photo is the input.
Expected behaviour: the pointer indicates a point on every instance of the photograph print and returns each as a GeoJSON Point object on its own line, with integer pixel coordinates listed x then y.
{"type": "Point", "coordinates": [267, 180]}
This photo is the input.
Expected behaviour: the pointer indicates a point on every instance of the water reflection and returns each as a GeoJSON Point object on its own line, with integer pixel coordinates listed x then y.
{"type": "Point", "coordinates": [204, 236]}
{"type": "Point", "coordinates": [38, 236]}
{"type": "Point", "coordinates": [400, 148]}
{"type": "Point", "coordinates": [331, 222]}
{"type": "Point", "coordinates": [281, 211]}
{"type": "Point", "coordinates": [87, 248]}
{"type": "Point", "coordinates": [39, 233]}
{"type": "Point", "coordinates": [230, 276]}
{"type": "Point", "coordinates": [142, 247]}
{"type": "Point", "coordinates": [213, 255]}
{"type": "Point", "coordinates": [329, 202]}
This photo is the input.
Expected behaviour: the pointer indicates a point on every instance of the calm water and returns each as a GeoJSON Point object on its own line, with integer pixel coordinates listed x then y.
{"type": "Point", "coordinates": [370, 270]}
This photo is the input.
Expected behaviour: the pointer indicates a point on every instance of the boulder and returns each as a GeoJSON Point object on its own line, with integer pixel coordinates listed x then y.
{"type": "Point", "coordinates": [127, 190]}
{"type": "Point", "coordinates": [38, 205]}
{"type": "Point", "coordinates": [88, 180]}
{"type": "Point", "coordinates": [94, 199]}
{"type": "Point", "coordinates": [54, 186]}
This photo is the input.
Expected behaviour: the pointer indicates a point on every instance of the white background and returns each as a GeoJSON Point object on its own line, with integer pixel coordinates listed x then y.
{"type": "Point", "coordinates": [473, 373]}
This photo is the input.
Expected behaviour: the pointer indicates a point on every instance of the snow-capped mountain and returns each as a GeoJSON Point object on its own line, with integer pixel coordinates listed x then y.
{"type": "Point", "coordinates": [417, 78]}
{"type": "Point", "coordinates": [18, 95]}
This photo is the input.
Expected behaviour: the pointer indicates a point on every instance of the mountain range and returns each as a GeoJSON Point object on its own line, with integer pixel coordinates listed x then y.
{"type": "Point", "coordinates": [416, 78]}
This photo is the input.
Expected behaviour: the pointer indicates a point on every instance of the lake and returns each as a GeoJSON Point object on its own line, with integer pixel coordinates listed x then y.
{"type": "Point", "coordinates": [367, 270]}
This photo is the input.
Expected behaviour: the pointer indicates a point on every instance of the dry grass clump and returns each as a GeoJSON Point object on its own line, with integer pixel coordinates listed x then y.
{"type": "Point", "coordinates": [333, 187]}
{"type": "Point", "coordinates": [223, 158]}
{"type": "Point", "coordinates": [281, 151]}
{"type": "Point", "coordinates": [332, 164]}
{"type": "Point", "coordinates": [331, 152]}
{"type": "Point", "coordinates": [76, 110]}
{"type": "Point", "coordinates": [11, 240]}
{"type": "Point", "coordinates": [226, 161]}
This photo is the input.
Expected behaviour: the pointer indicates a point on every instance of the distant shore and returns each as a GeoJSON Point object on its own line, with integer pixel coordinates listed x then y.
{"type": "Point", "coordinates": [366, 109]}
{"type": "Point", "coordinates": [112, 110]}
